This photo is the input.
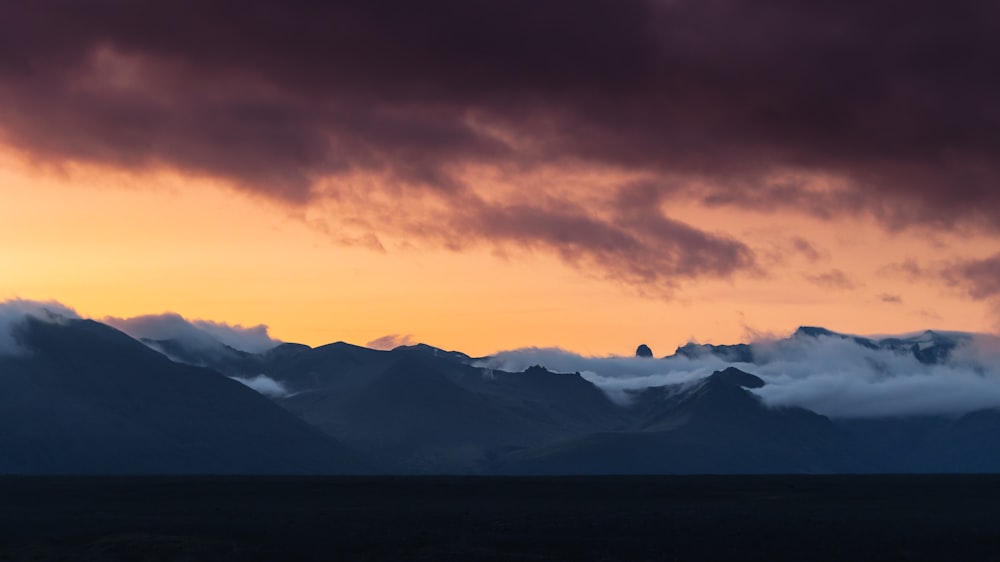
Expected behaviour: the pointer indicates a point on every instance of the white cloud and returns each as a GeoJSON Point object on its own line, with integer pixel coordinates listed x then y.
{"type": "Point", "coordinates": [829, 375]}
{"type": "Point", "coordinates": [840, 378]}
{"type": "Point", "coordinates": [203, 335]}
{"type": "Point", "coordinates": [391, 341]}
{"type": "Point", "coordinates": [13, 313]}
{"type": "Point", "coordinates": [613, 374]}
{"type": "Point", "coordinates": [264, 385]}
{"type": "Point", "coordinates": [252, 339]}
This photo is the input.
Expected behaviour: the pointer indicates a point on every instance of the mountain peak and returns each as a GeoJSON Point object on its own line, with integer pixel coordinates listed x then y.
{"type": "Point", "coordinates": [736, 353]}
{"type": "Point", "coordinates": [818, 332]}
{"type": "Point", "coordinates": [734, 376]}
{"type": "Point", "coordinates": [643, 351]}
{"type": "Point", "coordinates": [537, 370]}
{"type": "Point", "coordinates": [423, 348]}
{"type": "Point", "coordinates": [813, 332]}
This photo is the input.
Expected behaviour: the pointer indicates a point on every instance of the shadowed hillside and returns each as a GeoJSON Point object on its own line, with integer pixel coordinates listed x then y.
{"type": "Point", "coordinates": [85, 398]}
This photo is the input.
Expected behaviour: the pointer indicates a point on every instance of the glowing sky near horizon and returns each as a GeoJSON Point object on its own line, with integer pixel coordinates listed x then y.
{"type": "Point", "coordinates": [652, 188]}
{"type": "Point", "coordinates": [111, 246]}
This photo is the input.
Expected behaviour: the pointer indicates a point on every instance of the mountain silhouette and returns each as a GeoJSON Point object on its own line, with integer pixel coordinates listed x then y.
{"type": "Point", "coordinates": [422, 412]}
{"type": "Point", "coordinates": [714, 425]}
{"type": "Point", "coordinates": [85, 398]}
{"type": "Point", "coordinates": [928, 347]}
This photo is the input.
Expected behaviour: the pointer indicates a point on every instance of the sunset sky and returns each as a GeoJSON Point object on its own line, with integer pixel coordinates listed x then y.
{"type": "Point", "coordinates": [497, 174]}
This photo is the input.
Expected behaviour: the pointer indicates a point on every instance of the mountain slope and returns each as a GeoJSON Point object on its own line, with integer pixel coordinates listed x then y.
{"type": "Point", "coordinates": [422, 411]}
{"type": "Point", "coordinates": [931, 444]}
{"type": "Point", "coordinates": [86, 398]}
{"type": "Point", "coordinates": [928, 347]}
{"type": "Point", "coordinates": [419, 409]}
{"type": "Point", "coordinates": [711, 426]}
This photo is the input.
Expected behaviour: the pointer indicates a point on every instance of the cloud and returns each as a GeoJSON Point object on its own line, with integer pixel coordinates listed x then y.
{"type": "Point", "coordinates": [638, 245]}
{"type": "Point", "coordinates": [980, 278]}
{"type": "Point", "coordinates": [804, 247]}
{"type": "Point", "coordinates": [264, 385]}
{"type": "Point", "coordinates": [830, 375]}
{"type": "Point", "coordinates": [833, 279]}
{"type": "Point", "coordinates": [391, 341]}
{"type": "Point", "coordinates": [908, 269]}
{"type": "Point", "coordinates": [201, 335]}
{"type": "Point", "coordinates": [840, 378]}
{"type": "Point", "coordinates": [890, 298]}
{"type": "Point", "coordinates": [613, 374]}
{"type": "Point", "coordinates": [385, 110]}
{"type": "Point", "coordinates": [14, 311]}
{"type": "Point", "coordinates": [252, 339]}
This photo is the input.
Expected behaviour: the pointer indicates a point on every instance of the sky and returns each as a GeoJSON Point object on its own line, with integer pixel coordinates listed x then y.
{"type": "Point", "coordinates": [500, 174]}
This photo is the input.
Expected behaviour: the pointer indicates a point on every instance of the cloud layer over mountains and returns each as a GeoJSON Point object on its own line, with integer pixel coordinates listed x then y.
{"type": "Point", "coordinates": [198, 334]}
{"type": "Point", "coordinates": [13, 312]}
{"type": "Point", "coordinates": [833, 376]}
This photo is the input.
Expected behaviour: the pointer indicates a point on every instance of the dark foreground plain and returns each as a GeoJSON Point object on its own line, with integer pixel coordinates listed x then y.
{"type": "Point", "coordinates": [493, 518]}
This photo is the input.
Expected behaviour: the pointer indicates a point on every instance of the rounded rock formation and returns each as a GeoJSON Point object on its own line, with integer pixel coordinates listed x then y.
{"type": "Point", "coordinates": [643, 351]}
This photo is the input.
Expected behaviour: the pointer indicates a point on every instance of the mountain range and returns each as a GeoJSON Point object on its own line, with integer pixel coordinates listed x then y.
{"type": "Point", "coordinates": [83, 397]}
{"type": "Point", "coordinates": [928, 347]}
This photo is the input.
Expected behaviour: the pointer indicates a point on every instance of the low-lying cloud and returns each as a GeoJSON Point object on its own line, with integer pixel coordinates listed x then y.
{"type": "Point", "coordinates": [837, 377]}
{"type": "Point", "coordinates": [195, 335]}
{"type": "Point", "coordinates": [199, 335]}
{"type": "Point", "coordinates": [13, 313]}
{"type": "Point", "coordinates": [615, 375]}
{"type": "Point", "coordinates": [264, 385]}
{"type": "Point", "coordinates": [391, 341]}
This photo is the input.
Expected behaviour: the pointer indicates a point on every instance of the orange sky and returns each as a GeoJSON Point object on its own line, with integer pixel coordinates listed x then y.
{"type": "Point", "coordinates": [115, 244]}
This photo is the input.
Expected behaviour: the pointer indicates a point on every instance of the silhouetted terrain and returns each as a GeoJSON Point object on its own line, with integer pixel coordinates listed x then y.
{"type": "Point", "coordinates": [415, 411]}
{"type": "Point", "coordinates": [84, 398]}
{"type": "Point", "coordinates": [912, 518]}
{"type": "Point", "coordinates": [713, 426]}
{"type": "Point", "coordinates": [419, 409]}
{"type": "Point", "coordinates": [930, 444]}
{"type": "Point", "coordinates": [928, 347]}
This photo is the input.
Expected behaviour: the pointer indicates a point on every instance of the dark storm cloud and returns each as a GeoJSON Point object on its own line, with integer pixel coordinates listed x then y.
{"type": "Point", "coordinates": [730, 103]}
{"type": "Point", "coordinates": [637, 244]}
